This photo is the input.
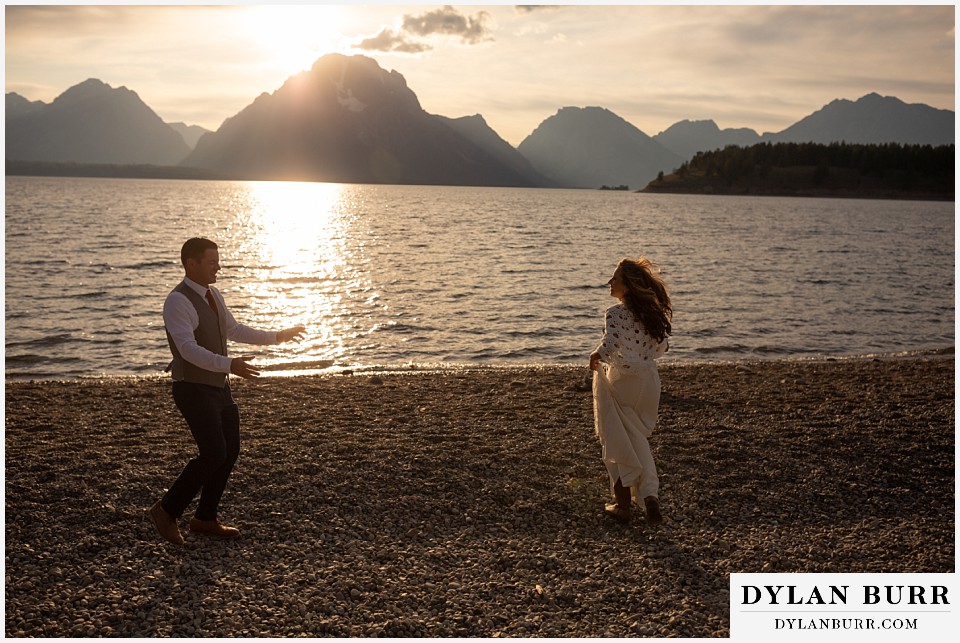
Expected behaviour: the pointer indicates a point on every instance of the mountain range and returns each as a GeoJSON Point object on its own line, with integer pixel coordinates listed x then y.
{"type": "Point", "coordinates": [590, 147]}
{"type": "Point", "coordinates": [190, 133]}
{"type": "Point", "coordinates": [348, 120]}
{"type": "Point", "coordinates": [90, 123]}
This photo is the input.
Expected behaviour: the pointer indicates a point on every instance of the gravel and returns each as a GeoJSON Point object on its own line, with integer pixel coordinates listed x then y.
{"type": "Point", "coordinates": [469, 502]}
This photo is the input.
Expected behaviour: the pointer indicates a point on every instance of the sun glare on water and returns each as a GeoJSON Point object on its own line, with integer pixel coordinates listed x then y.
{"type": "Point", "coordinates": [291, 38]}
{"type": "Point", "coordinates": [291, 238]}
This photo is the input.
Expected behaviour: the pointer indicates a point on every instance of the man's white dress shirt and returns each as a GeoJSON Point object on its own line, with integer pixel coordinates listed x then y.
{"type": "Point", "coordinates": [181, 320]}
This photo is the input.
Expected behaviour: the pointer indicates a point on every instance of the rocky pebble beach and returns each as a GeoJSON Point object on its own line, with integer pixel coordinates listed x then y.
{"type": "Point", "coordinates": [469, 503]}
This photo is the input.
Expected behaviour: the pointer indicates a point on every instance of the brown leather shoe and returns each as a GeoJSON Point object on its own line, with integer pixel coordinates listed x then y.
{"type": "Point", "coordinates": [165, 524]}
{"type": "Point", "coordinates": [213, 528]}
{"type": "Point", "coordinates": [652, 505]}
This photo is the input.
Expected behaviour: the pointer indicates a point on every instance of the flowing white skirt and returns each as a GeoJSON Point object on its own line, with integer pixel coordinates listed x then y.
{"type": "Point", "coordinates": [625, 407]}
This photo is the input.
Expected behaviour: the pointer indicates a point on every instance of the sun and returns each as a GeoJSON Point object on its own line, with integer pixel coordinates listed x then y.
{"type": "Point", "coordinates": [290, 38]}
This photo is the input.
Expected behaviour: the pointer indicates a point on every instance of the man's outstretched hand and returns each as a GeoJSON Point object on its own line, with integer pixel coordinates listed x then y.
{"type": "Point", "coordinates": [296, 333]}
{"type": "Point", "coordinates": [240, 368]}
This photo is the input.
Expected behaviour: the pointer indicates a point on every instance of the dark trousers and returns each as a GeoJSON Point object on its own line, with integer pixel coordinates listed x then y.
{"type": "Point", "coordinates": [214, 420]}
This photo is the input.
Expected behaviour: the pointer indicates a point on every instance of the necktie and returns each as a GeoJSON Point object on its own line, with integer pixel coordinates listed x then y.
{"type": "Point", "coordinates": [213, 304]}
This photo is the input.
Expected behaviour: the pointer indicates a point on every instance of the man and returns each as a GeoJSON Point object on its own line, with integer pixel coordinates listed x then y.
{"type": "Point", "coordinates": [198, 325]}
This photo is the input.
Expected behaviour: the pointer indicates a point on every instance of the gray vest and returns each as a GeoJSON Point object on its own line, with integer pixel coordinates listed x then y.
{"type": "Point", "coordinates": [211, 334]}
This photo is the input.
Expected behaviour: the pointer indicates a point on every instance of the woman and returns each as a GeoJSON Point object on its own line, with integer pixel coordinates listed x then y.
{"type": "Point", "coordinates": [626, 385]}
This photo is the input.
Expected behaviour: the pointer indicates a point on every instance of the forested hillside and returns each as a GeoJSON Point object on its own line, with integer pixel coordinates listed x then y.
{"type": "Point", "coordinates": [809, 169]}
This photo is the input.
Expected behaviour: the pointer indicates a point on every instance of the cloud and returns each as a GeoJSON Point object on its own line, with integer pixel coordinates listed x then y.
{"type": "Point", "coordinates": [390, 40]}
{"type": "Point", "coordinates": [30, 20]}
{"type": "Point", "coordinates": [54, 22]}
{"type": "Point", "coordinates": [449, 22]}
{"type": "Point", "coordinates": [443, 22]}
{"type": "Point", "coordinates": [530, 8]}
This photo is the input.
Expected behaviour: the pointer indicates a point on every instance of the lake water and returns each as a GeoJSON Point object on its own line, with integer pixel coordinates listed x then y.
{"type": "Point", "coordinates": [394, 276]}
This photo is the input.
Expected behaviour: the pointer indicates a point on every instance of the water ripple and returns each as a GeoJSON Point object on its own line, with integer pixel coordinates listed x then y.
{"type": "Point", "coordinates": [467, 275]}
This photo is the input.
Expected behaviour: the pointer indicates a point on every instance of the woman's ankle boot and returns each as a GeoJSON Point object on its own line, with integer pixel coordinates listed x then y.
{"type": "Point", "coordinates": [652, 506]}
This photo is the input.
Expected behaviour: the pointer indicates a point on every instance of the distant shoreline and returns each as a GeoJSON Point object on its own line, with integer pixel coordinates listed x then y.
{"type": "Point", "coordinates": [113, 171]}
{"type": "Point", "coordinates": [886, 195]}
{"type": "Point", "coordinates": [109, 171]}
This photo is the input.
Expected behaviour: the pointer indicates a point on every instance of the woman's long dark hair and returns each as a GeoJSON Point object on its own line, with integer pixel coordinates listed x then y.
{"type": "Point", "coordinates": [646, 296]}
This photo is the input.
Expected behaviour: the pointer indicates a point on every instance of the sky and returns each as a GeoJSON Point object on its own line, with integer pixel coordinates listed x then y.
{"type": "Point", "coordinates": [758, 66]}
